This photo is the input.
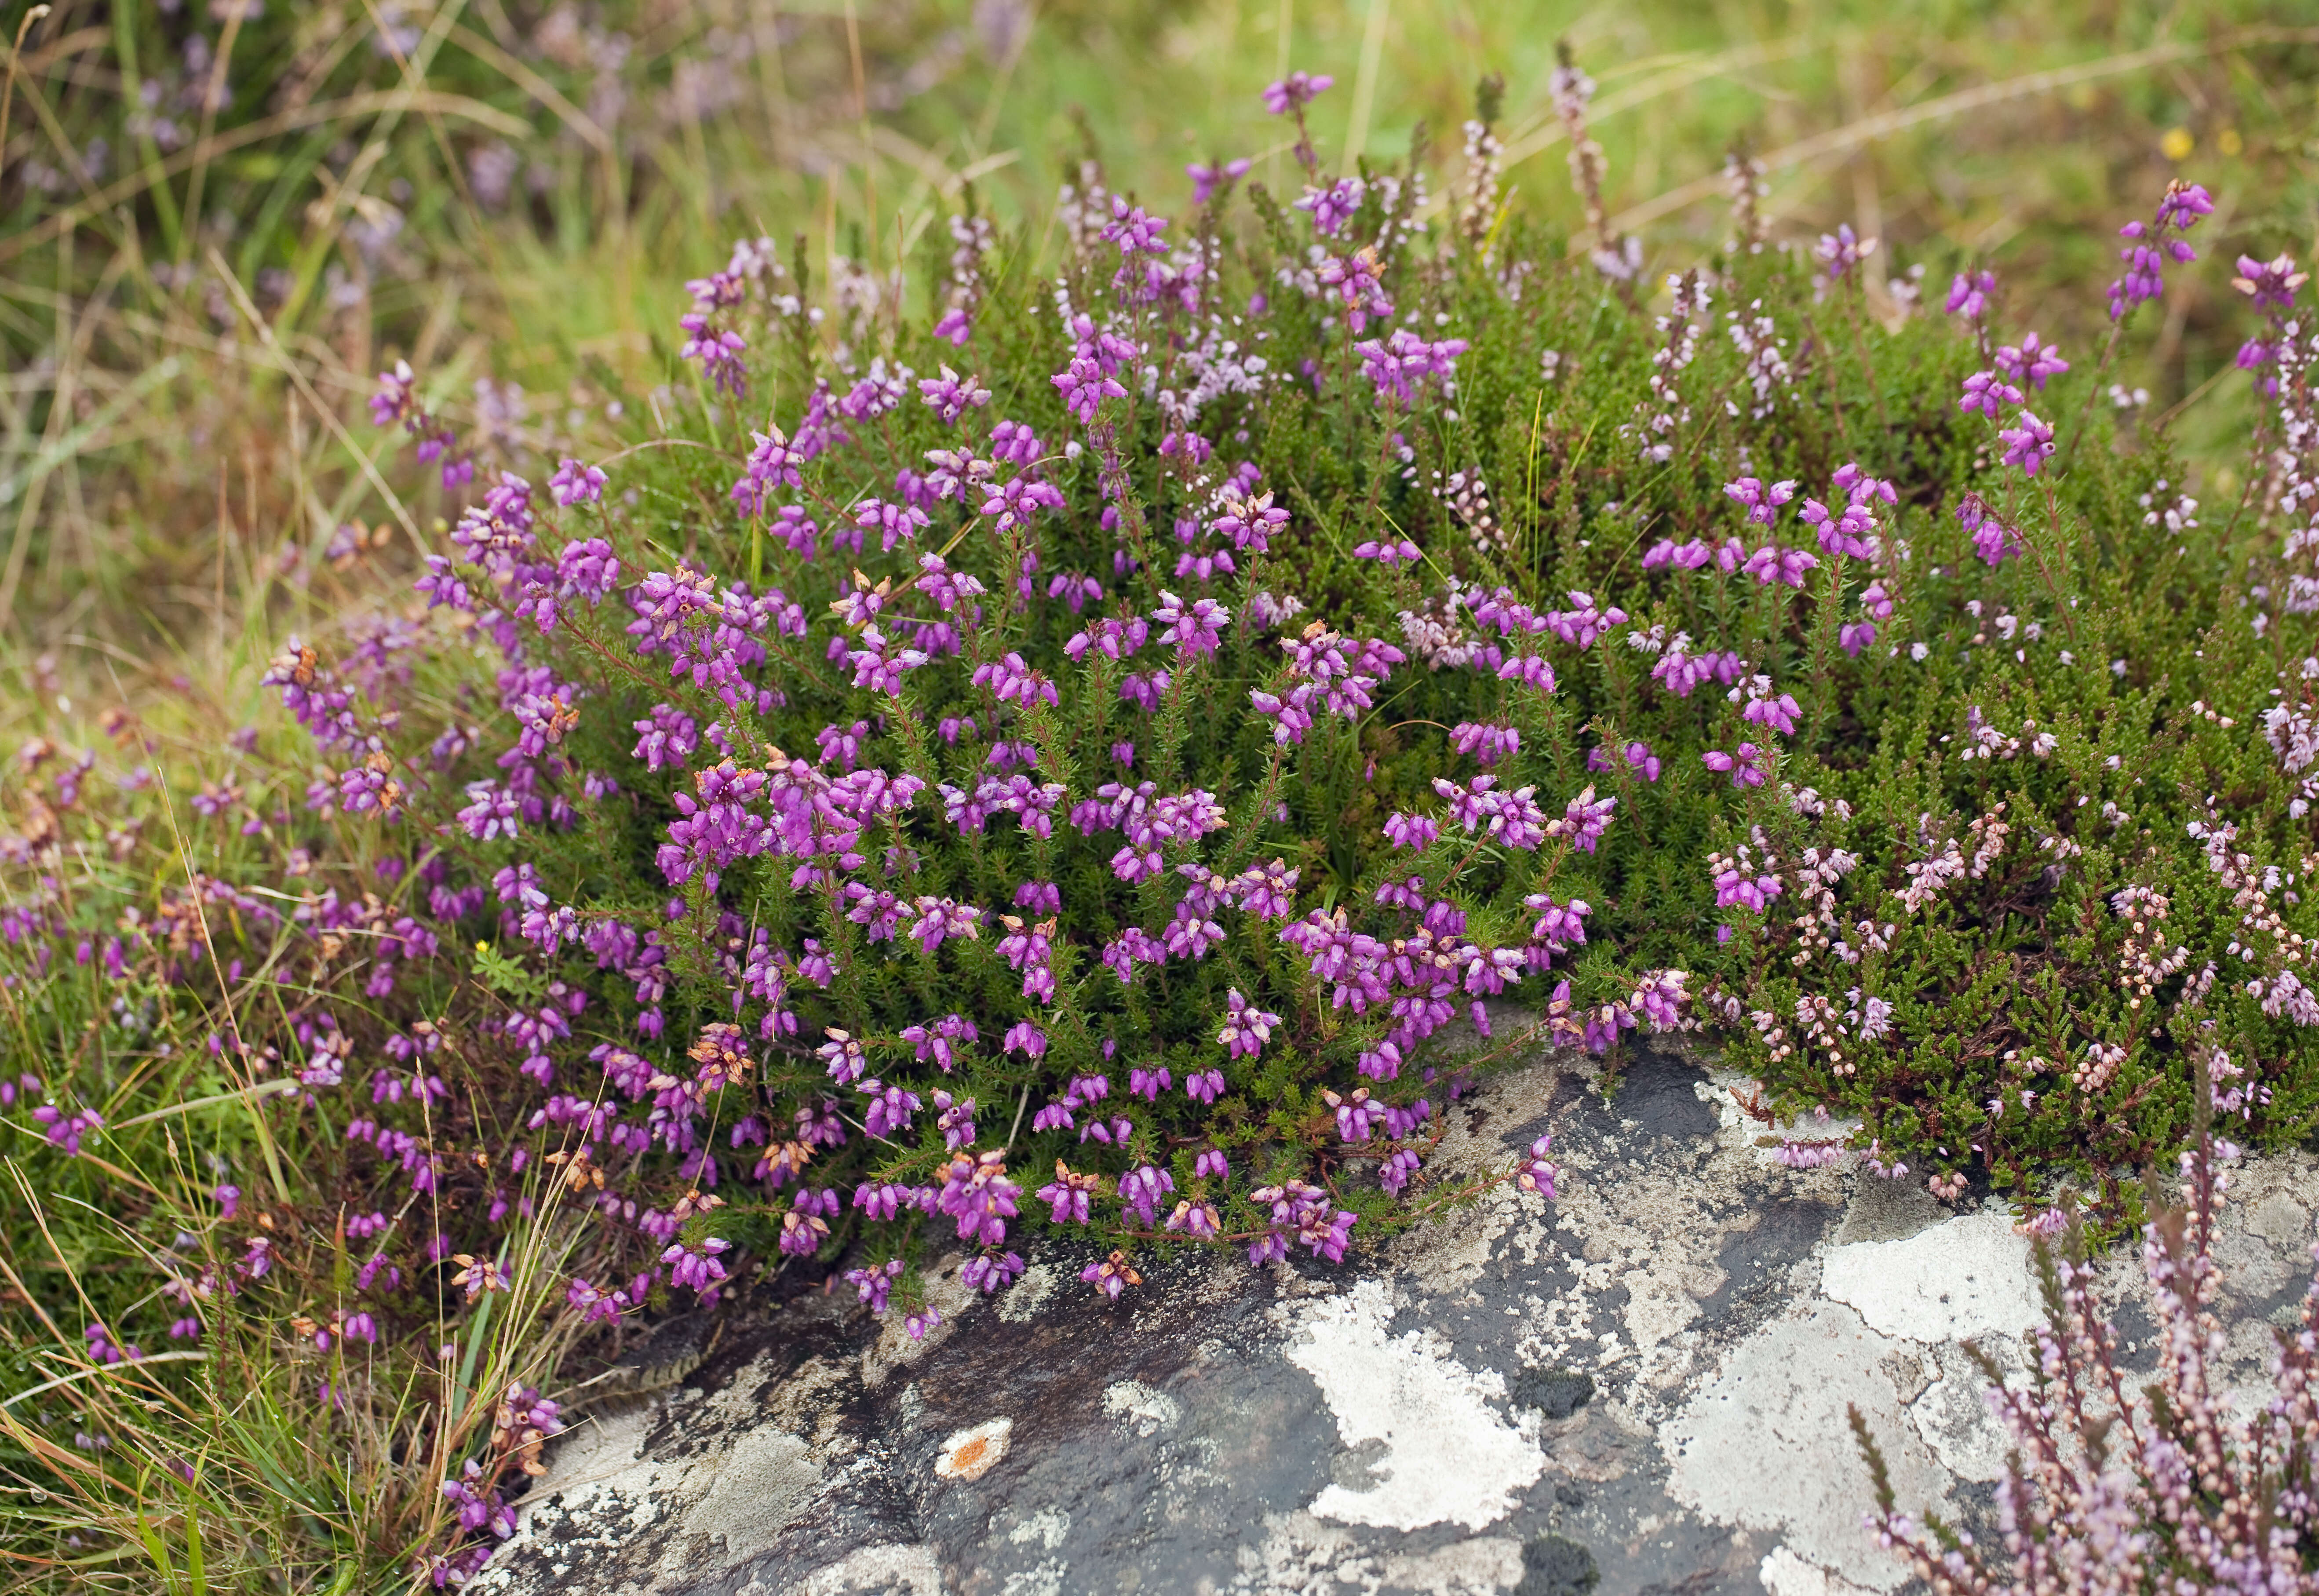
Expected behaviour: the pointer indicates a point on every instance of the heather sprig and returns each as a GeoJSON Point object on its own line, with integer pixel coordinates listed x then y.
{"type": "Point", "coordinates": [2168, 1483]}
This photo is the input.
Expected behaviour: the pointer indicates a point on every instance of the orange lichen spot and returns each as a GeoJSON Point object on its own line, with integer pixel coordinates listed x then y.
{"type": "Point", "coordinates": [971, 1454]}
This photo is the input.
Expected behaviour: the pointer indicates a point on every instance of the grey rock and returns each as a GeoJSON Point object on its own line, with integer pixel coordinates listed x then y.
{"type": "Point", "coordinates": [1639, 1388]}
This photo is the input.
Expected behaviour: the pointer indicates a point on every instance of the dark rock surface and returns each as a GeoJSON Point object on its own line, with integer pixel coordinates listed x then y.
{"type": "Point", "coordinates": [1640, 1388]}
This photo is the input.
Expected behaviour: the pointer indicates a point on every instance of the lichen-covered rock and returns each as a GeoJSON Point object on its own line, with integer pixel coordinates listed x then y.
{"type": "Point", "coordinates": [1640, 1387]}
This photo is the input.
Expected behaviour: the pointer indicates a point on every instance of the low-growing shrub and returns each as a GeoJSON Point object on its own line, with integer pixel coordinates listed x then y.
{"type": "Point", "coordinates": [1072, 750]}
{"type": "Point", "coordinates": [2173, 1484]}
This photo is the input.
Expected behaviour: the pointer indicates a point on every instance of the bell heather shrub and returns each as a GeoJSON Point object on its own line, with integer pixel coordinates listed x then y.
{"type": "Point", "coordinates": [1068, 754]}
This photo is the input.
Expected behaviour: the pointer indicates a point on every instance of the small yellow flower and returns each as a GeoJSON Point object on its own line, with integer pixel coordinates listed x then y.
{"type": "Point", "coordinates": [2178, 144]}
{"type": "Point", "coordinates": [2229, 142]}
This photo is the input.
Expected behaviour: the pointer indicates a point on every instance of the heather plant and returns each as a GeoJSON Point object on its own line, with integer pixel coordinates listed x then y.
{"type": "Point", "coordinates": [1112, 743]}
{"type": "Point", "coordinates": [2178, 1483]}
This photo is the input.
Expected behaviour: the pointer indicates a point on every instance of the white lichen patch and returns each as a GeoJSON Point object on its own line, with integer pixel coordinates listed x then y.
{"type": "Point", "coordinates": [1784, 1574]}
{"type": "Point", "coordinates": [1143, 1409]}
{"type": "Point", "coordinates": [764, 1481]}
{"type": "Point", "coordinates": [889, 1569]}
{"type": "Point", "coordinates": [1954, 1414]}
{"type": "Point", "coordinates": [1047, 1526]}
{"type": "Point", "coordinates": [1449, 1456]}
{"type": "Point", "coordinates": [1766, 1445]}
{"type": "Point", "coordinates": [971, 1454]}
{"type": "Point", "coordinates": [1019, 1302]}
{"type": "Point", "coordinates": [1969, 1276]}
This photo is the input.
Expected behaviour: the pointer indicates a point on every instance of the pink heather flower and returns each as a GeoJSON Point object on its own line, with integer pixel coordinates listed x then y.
{"type": "Point", "coordinates": [1356, 1115]}
{"type": "Point", "coordinates": [1763, 503]}
{"type": "Point", "coordinates": [988, 1274]}
{"type": "Point", "coordinates": [2030, 363]}
{"type": "Point", "coordinates": [1066, 1195]}
{"type": "Point", "coordinates": [891, 1108]}
{"type": "Point", "coordinates": [1411, 831]}
{"type": "Point", "coordinates": [946, 587]}
{"type": "Point", "coordinates": [577, 482]}
{"type": "Point", "coordinates": [1194, 628]}
{"type": "Point", "coordinates": [1581, 624]}
{"type": "Point", "coordinates": [1969, 293]}
{"type": "Point", "coordinates": [1745, 765]}
{"type": "Point", "coordinates": [1734, 889]}
{"type": "Point", "coordinates": [1529, 670]}
{"type": "Point", "coordinates": [1640, 759]}
{"type": "Point", "coordinates": [950, 396]}
{"type": "Point", "coordinates": [1196, 1220]}
{"type": "Point", "coordinates": [1333, 206]}
{"type": "Point", "coordinates": [977, 1194]}
{"type": "Point", "coordinates": [1985, 390]}
{"type": "Point", "coordinates": [2145, 262]}
{"type": "Point", "coordinates": [1266, 891]}
{"type": "Point", "coordinates": [1512, 819]}
{"type": "Point", "coordinates": [2028, 443]}
{"type": "Point", "coordinates": [872, 1283]}
{"type": "Point", "coordinates": [1395, 1173]}
{"type": "Point", "coordinates": [894, 523]}
{"type": "Point", "coordinates": [1250, 524]}
{"type": "Point", "coordinates": [1992, 540]}
{"type": "Point", "coordinates": [1584, 821]}
{"type": "Point", "coordinates": [1681, 672]}
{"type": "Point", "coordinates": [1294, 93]}
{"type": "Point", "coordinates": [1024, 1037]}
{"type": "Point", "coordinates": [955, 1120]}
{"type": "Point", "coordinates": [1114, 639]}
{"type": "Point", "coordinates": [773, 463]}
{"type": "Point", "coordinates": [1077, 591]}
{"type": "Point", "coordinates": [1809, 1155]}
{"type": "Point", "coordinates": [1399, 364]}
{"type": "Point", "coordinates": [1535, 1173]}
{"type": "Point", "coordinates": [1660, 998]}
{"type": "Point", "coordinates": [1775, 564]}
{"type": "Point", "coordinates": [1859, 487]}
{"type": "Point", "coordinates": [1141, 1189]}
{"type": "Point", "coordinates": [1777, 715]}
{"type": "Point", "coordinates": [1841, 534]}
{"type": "Point", "coordinates": [1389, 552]}
{"type": "Point", "coordinates": [1190, 933]}
{"type": "Point", "coordinates": [1839, 251]}
{"type": "Point", "coordinates": [64, 1130]}
{"type": "Point", "coordinates": [1134, 231]}
{"type": "Point", "coordinates": [1246, 1028]}
{"type": "Point", "coordinates": [920, 1323]}
{"type": "Point", "coordinates": [1115, 1132]}
{"type": "Point", "coordinates": [1207, 180]}
{"type": "Point", "coordinates": [1011, 680]}
{"type": "Point", "coordinates": [719, 350]}
{"type": "Point", "coordinates": [1084, 385]}
{"type": "Point", "coordinates": [1485, 741]}
{"type": "Point", "coordinates": [397, 399]}
{"type": "Point", "coordinates": [699, 1269]}
{"type": "Point", "coordinates": [1148, 1084]}
{"type": "Point", "coordinates": [1853, 637]}
{"type": "Point", "coordinates": [2270, 283]}
{"type": "Point", "coordinates": [1211, 1165]}
{"type": "Point", "coordinates": [1112, 1276]}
